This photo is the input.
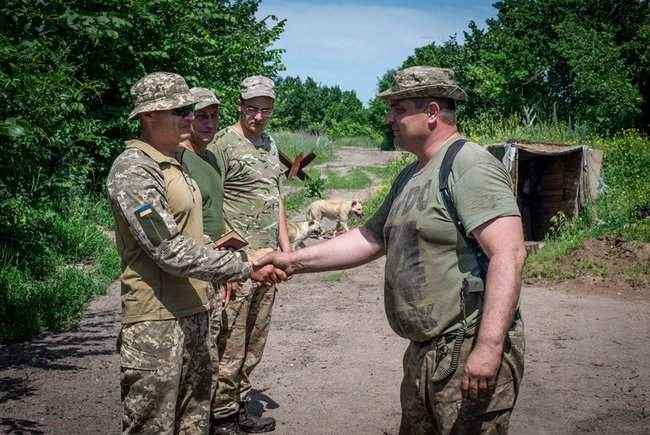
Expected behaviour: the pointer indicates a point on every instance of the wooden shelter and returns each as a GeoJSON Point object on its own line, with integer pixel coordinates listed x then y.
{"type": "Point", "coordinates": [548, 179]}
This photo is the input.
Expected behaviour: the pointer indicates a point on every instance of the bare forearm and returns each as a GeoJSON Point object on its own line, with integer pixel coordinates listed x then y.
{"type": "Point", "coordinates": [283, 232]}
{"type": "Point", "coordinates": [350, 249]}
{"type": "Point", "coordinates": [501, 296]}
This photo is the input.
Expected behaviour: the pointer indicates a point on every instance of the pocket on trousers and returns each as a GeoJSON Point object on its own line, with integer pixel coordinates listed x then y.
{"type": "Point", "coordinates": [505, 391]}
{"type": "Point", "coordinates": [502, 399]}
{"type": "Point", "coordinates": [147, 345]}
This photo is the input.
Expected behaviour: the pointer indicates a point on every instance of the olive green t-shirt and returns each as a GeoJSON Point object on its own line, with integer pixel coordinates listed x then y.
{"type": "Point", "coordinates": [426, 259]}
{"type": "Point", "coordinates": [205, 170]}
{"type": "Point", "coordinates": [252, 183]}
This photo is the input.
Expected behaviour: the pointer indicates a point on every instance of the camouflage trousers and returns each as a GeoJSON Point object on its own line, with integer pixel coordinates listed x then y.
{"type": "Point", "coordinates": [166, 370]}
{"type": "Point", "coordinates": [246, 321]}
{"type": "Point", "coordinates": [430, 407]}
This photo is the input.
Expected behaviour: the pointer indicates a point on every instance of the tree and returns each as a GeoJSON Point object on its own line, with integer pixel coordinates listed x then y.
{"type": "Point", "coordinates": [66, 67]}
{"type": "Point", "coordinates": [309, 106]}
{"type": "Point", "coordinates": [99, 49]}
{"type": "Point", "coordinates": [586, 62]}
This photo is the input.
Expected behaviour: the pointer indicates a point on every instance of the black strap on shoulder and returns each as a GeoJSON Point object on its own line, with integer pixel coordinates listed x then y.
{"type": "Point", "coordinates": [443, 185]}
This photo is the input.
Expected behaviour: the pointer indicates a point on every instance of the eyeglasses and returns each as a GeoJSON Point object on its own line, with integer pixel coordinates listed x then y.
{"type": "Point", "coordinates": [252, 110]}
{"type": "Point", "coordinates": [183, 111]}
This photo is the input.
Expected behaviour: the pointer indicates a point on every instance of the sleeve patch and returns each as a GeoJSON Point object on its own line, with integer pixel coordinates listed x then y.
{"type": "Point", "coordinates": [152, 224]}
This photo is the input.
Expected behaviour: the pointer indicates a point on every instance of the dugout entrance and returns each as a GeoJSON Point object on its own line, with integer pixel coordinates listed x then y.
{"type": "Point", "coordinates": [549, 179]}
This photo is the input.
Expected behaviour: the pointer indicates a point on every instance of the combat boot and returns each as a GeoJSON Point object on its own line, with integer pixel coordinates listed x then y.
{"type": "Point", "coordinates": [226, 426]}
{"type": "Point", "coordinates": [253, 424]}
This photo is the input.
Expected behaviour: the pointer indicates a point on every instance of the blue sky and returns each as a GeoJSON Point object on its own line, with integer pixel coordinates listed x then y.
{"type": "Point", "coordinates": [352, 43]}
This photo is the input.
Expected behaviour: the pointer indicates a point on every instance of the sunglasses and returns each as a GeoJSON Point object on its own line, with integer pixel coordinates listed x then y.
{"type": "Point", "coordinates": [183, 111]}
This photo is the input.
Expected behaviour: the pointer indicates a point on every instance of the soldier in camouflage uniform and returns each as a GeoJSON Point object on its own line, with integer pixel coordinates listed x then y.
{"type": "Point", "coordinates": [253, 207]}
{"type": "Point", "coordinates": [166, 269]}
{"type": "Point", "coordinates": [464, 364]}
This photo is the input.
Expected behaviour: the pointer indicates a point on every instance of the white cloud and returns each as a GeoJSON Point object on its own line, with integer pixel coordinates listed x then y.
{"type": "Point", "coordinates": [350, 45]}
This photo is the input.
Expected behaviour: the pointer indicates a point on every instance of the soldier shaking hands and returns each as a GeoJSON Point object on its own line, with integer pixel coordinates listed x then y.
{"type": "Point", "coordinates": [166, 269]}
{"type": "Point", "coordinates": [452, 235]}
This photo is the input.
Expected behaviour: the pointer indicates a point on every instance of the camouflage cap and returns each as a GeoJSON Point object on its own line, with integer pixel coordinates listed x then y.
{"type": "Point", "coordinates": [424, 81]}
{"type": "Point", "coordinates": [204, 98]}
{"type": "Point", "coordinates": [160, 91]}
{"type": "Point", "coordinates": [256, 86]}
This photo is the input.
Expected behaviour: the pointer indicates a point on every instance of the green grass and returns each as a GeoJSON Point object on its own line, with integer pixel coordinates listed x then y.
{"type": "Point", "coordinates": [386, 178]}
{"type": "Point", "coordinates": [378, 171]}
{"type": "Point", "coordinates": [488, 130]}
{"type": "Point", "coordinates": [357, 142]}
{"type": "Point", "coordinates": [293, 143]}
{"type": "Point", "coordinates": [296, 201]}
{"type": "Point", "coordinates": [639, 272]}
{"type": "Point", "coordinates": [353, 180]}
{"type": "Point", "coordinates": [49, 278]}
{"type": "Point", "coordinates": [333, 278]}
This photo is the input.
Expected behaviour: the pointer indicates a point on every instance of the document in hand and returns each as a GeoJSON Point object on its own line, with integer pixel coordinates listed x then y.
{"type": "Point", "coordinates": [231, 240]}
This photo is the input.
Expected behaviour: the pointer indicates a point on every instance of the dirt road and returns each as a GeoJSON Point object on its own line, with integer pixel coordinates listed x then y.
{"type": "Point", "coordinates": [333, 365]}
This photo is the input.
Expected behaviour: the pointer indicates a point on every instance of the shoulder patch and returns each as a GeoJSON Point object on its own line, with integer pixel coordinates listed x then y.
{"type": "Point", "coordinates": [152, 224]}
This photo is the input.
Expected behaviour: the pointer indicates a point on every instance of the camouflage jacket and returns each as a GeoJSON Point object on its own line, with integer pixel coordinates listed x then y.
{"type": "Point", "coordinates": [252, 185]}
{"type": "Point", "coordinates": [157, 210]}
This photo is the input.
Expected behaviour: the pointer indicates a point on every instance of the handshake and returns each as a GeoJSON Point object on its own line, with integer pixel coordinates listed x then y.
{"type": "Point", "coordinates": [270, 266]}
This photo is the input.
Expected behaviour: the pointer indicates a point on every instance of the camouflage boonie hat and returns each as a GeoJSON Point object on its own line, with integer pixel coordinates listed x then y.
{"type": "Point", "coordinates": [204, 98]}
{"type": "Point", "coordinates": [160, 91]}
{"type": "Point", "coordinates": [424, 81]}
{"type": "Point", "coordinates": [256, 86]}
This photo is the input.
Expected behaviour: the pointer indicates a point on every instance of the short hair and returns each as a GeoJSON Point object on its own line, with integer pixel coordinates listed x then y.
{"type": "Point", "coordinates": [447, 107]}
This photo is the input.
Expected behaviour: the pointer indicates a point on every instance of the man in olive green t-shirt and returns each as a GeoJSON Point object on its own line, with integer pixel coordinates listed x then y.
{"type": "Point", "coordinates": [202, 165]}
{"type": "Point", "coordinates": [207, 170]}
{"type": "Point", "coordinates": [464, 364]}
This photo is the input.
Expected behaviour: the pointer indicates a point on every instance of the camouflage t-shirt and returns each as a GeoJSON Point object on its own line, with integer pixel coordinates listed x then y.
{"type": "Point", "coordinates": [251, 185]}
{"type": "Point", "coordinates": [426, 259]}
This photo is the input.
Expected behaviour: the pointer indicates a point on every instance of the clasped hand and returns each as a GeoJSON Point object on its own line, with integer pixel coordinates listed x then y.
{"type": "Point", "coordinates": [266, 272]}
{"type": "Point", "coordinates": [280, 260]}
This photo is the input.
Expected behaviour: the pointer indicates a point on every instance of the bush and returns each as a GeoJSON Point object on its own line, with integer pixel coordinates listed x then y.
{"type": "Point", "coordinates": [60, 258]}
{"type": "Point", "coordinates": [66, 67]}
{"type": "Point", "coordinates": [391, 171]}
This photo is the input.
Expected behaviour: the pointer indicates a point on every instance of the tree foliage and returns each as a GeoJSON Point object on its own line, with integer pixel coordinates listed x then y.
{"type": "Point", "coordinates": [583, 62]}
{"type": "Point", "coordinates": [309, 106]}
{"type": "Point", "coordinates": [66, 67]}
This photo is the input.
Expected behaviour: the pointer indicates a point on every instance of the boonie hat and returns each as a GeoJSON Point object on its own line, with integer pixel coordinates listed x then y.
{"type": "Point", "coordinates": [160, 91]}
{"type": "Point", "coordinates": [424, 81]}
{"type": "Point", "coordinates": [256, 86]}
{"type": "Point", "coordinates": [204, 97]}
